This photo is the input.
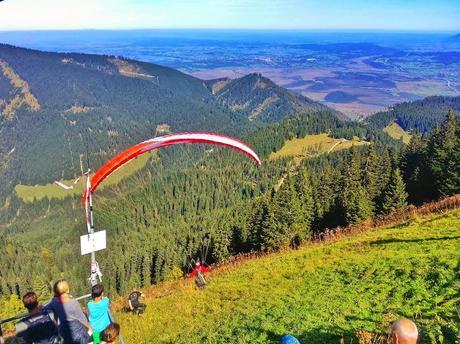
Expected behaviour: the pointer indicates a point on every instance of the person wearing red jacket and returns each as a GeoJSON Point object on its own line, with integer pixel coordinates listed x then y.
{"type": "Point", "coordinates": [198, 273]}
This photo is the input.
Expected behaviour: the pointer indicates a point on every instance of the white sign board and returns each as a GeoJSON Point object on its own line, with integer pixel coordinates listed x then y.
{"type": "Point", "coordinates": [93, 242]}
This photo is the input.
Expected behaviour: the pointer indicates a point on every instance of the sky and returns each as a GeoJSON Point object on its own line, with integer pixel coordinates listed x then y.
{"type": "Point", "coordinates": [402, 15]}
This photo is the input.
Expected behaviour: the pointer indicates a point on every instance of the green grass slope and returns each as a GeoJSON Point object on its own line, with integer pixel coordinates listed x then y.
{"type": "Point", "coordinates": [396, 132]}
{"type": "Point", "coordinates": [319, 293]}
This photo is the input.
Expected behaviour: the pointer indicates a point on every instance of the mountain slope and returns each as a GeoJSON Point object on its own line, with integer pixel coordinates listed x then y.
{"type": "Point", "coordinates": [260, 99]}
{"type": "Point", "coordinates": [319, 293]}
{"type": "Point", "coordinates": [70, 105]}
{"type": "Point", "coordinates": [419, 116]}
{"type": "Point", "coordinates": [80, 107]}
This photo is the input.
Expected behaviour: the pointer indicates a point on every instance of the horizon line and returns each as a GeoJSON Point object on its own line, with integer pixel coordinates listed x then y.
{"type": "Point", "coordinates": [399, 30]}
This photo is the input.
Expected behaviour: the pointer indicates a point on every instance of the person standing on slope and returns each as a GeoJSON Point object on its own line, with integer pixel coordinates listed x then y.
{"type": "Point", "coordinates": [198, 273]}
{"type": "Point", "coordinates": [99, 309]}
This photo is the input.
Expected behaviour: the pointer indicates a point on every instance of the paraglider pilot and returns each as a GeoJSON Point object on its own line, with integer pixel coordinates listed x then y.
{"type": "Point", "coordinates": [198, 273]}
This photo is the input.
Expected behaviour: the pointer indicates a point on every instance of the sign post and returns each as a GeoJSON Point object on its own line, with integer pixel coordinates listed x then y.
{"type": "Point", "coordinates": [92, 242]}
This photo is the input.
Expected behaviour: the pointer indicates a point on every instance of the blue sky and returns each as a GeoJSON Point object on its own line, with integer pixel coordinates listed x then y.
{"type": "Point", "coordinates": [425, 15]}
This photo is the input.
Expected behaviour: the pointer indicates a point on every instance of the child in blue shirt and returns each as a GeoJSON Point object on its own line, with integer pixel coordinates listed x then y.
{"type": "Point", "coordinates": [98, 309]}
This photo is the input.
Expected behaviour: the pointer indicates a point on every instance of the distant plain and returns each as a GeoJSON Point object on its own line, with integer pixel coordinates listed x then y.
{"type": "Point", "coordinates": [356, 72]}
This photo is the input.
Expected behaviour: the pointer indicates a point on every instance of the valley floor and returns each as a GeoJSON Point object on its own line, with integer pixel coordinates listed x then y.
{"type": "Point", "coordinates": [319, 293]}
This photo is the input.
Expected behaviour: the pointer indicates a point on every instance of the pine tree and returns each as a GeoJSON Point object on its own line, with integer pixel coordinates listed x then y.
{"type": "Point", "coordinates": [415, 170]}
{"type": "Point", "coordinates": [305, 213]}
{"type": "Point", "coordinates": [42, 288]}
{"type": "Point", "coordinates": [261, 225]}
{"type": "Point", "coordinates": [354, 199]}
{"type": "Point", "coordinates": [395, 196]}
{"type": "Point", "coordinates": [371, 173]}
{"type": "Point", "coordinates": [444, 160]}
{"type": "Point", "coordinates": [286, 209]}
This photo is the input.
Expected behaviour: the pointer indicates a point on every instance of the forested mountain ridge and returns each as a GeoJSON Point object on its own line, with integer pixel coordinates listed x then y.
{"type": "Point", "coordinates": [75, 105]}
{"type": "Point", "coordinates": [260, 99]}
{"type": "Point", "coordinates": [418, 116]}
{"type": "Point", "coordinates": [91, 105]}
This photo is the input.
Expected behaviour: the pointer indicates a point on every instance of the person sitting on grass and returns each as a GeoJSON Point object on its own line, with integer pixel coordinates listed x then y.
{"type": "Point", "coordinates": [40, 326]}
{"type": "Point", "coordinates": [198, 273]}
{"type": "Point", "coordinates": [98, 309]}
{"type": "Point", "coordinates": [403, 331]}
{"type": "Point", "coordinates": [135, 305]}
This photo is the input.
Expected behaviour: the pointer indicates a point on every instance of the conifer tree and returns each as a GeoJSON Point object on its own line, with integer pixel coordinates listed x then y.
{"type": "Point", "coordinates": [444, 160]}
{"type": "Point", "coordinates": [395, 195]}
{"type": "Point", "coordinates": [261, 225]}
{"type": "Point", "coordinates": [371, 172]}
{"type": "Point", "coordinates": [42, 288]}
{"type": "Point", "coordinates": [305, 197]}
{"type": "Point", "coordinates": [286, 208]}
{"type": "Point", "coordinates": [415, 170]}
{"type": "Point", "coordinates": [354, 199]}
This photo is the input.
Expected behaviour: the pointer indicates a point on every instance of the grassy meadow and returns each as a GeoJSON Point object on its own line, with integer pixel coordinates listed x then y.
{"type": "Point", "coordinates": [29, 193]}
{"type": "Point", "coordinates": [320, 293]}
{"type": "Point", "coordinates": [312, 145]}
{"type": "Point", "coordinates": [396, 132]}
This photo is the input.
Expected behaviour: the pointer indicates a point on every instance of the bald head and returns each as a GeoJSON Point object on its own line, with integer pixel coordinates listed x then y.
{"type": "Point", "coordinates": [403, 331]}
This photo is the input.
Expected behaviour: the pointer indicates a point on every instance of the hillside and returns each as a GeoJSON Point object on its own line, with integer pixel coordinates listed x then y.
{"type": "Point", "coordinates": [397, 133]}
{"type": "Point", "coordinates": [312, 145]}
{"type": "Point", "coordinates": [93, 106]}
{"type": "Point", "coordinates": [417, 116]}
{"type": "Point", "coordinates": [260, 99]}
{"type": "Point", "coordinates": [319, 293]}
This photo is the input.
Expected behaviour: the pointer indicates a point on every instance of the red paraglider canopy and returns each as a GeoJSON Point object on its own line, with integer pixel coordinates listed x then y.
{"type": "Point", "coordinates": [164, 141]}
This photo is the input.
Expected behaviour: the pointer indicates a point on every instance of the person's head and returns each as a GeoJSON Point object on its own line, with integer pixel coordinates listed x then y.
{"type": "Point", "coordinates": [61, 287]}
{"type": "Point", "coordinates": [197, 264]}
{"type": "Point", "coordinates": [30, 301]}
{"type": "Point", "coordinates": [403, 331]}
{"type": "Point", "coordinates": [97, 291]}
{"type": "Point", "coordinates": [111, 333]}
{"type": "Point", "coordinates": [288, 339]}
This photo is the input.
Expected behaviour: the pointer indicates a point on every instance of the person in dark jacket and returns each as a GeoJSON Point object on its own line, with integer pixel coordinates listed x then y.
{"type": "Point", "coordinates": [134, 302]}
{"type": "Point", "coordinates": [40, 326]}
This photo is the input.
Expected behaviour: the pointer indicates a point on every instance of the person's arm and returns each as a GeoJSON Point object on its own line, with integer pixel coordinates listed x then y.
{"type": "Point", "coordinates": [205, 269]}
{"type": "Point", "coordinates": [130, 305]}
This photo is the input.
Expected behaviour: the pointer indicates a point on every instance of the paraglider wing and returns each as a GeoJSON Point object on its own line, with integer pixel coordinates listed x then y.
{"type": "Point", "coordinates": [164, 141]}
